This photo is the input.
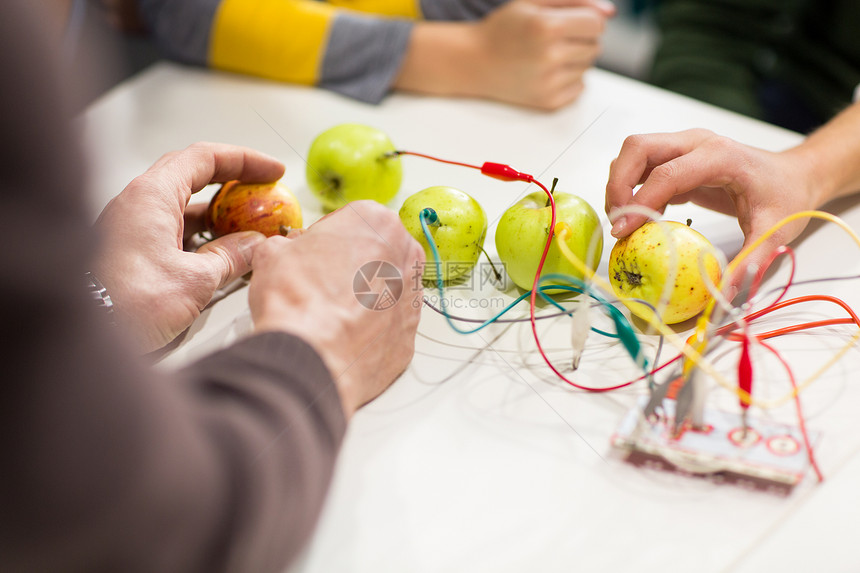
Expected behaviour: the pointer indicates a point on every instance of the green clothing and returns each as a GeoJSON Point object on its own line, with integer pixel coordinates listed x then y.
{"type": "Point", "coordinates": [770, 59]}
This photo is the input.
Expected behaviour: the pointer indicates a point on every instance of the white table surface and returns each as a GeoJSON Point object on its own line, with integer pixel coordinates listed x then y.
{"type": "Point", "coordinates": [478, 459]}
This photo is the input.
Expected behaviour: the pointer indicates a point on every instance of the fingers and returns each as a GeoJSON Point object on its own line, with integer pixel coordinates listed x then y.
{"type": "Point", "coordinates": [750, 264]}
{"type": "Point", "coordinates": [712, 198]}
{"type": "Point", "coordinates": [641, 153]}
{"type": "Point", "coordinates": [758, 222]}
{"type": "Point", "coordinates": [575, 54]}
{"type": "Point", "coordinates": [656, 160]}
{"type": "Point", "coordinates": [296, 233]}
{"type": "Point", "coordinates": [195, 220]}
{"type": "Point", "coordinates": [230, 256]}
{"type": "Point", "coordinates": [562, 83]}
{"type": "Point", "coordinates": [200, 164]}
{"type": "Point", "coordinates": [573, 24]}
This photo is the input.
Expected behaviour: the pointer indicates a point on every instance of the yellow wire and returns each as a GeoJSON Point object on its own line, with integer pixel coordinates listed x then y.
{"type": "Point", "coordinates": [706, 314]}
{"type": "Point", "coordinates": [702, 323]}
{"type": "Point", "coordinates": [562, 229]}
{"type": "Point", "coordinates": [808, 382]}
{"type": "Point", "coordinates": [694, 354]}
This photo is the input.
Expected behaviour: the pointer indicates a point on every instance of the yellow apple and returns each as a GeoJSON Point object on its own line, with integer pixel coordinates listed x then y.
{"type": "Point", "coordinates": [641, 264]}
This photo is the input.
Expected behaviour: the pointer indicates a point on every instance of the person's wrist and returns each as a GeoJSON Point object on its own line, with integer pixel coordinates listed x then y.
{"type": "Point", "coordinates": [274, 321]}
{"type": "Point", "coordinates": [807, 174]}
{"type": "Point", "coordinates": [442, 59]}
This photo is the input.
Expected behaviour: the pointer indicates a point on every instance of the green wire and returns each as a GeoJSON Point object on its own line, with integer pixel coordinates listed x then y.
{"type": "Point", "coordinates": [623, 328]}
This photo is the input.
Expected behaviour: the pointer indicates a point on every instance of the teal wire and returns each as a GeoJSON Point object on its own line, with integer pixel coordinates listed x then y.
{"type": "Point", "coordinates": [580, 286]}
{"type": "Point", "coordinates": [623, 328]}
{"type": "Point", "coordinates": [440, 286]}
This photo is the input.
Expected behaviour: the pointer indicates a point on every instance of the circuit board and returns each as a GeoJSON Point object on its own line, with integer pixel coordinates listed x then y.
{"type": "Point", "coordinates": [766, 455]}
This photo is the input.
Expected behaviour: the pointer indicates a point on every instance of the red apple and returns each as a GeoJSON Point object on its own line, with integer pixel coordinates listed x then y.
{"type": "Point", "coordinates": [263, 207]}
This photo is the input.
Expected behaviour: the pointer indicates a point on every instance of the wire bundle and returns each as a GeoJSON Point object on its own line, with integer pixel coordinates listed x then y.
{"type": "Point", "coordinates": [693, 351]}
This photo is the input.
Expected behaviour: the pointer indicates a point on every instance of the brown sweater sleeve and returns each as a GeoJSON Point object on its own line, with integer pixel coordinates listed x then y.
{"type": "Point", "coordinates": [105, 463]}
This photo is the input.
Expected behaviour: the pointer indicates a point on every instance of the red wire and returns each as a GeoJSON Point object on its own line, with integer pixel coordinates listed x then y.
{"type": "Point", "coordinates": [727, 329]}
{"type": "Point", "coordinates": [800, 419]}
{"type": "Point", "coordinates": [745, 372]}
{"type": "Point", "coordinates": [505, 172]}
{"type": "Point", "coordinates": [533, 300]}
{"type": "Point", "coordinates": [449, 162]}
{"type": "Point", "coordinates": [760, 274]}
{"type": "Point", "coordinates": [736, 337]}
{"type": "Point", "coordinates": [745, 379]}
{"type": "Point", "coordinates": [794, 328]}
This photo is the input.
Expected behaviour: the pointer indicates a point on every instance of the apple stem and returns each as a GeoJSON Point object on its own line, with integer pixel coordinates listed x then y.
{"type": "Point", "coordinates": [551, 191]}
{"type": "Point", "coordinates": [493, 266]}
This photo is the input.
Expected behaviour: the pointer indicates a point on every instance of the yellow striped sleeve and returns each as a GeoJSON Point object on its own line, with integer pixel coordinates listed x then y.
{"type": "Point", "coordinates": [282, 40]}
{"type": "Point", "coordinates": [410, 9]}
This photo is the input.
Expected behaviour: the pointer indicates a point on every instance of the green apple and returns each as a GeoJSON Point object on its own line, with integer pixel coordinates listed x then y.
{"type": "Point", "coordinates": [350, 162]}
{"type": "Point", "coordinates": [525, 226]}
{"type": "Point", "coordinates": [641, 264]}
{"type": "Point", "coordinates": [458, 232]}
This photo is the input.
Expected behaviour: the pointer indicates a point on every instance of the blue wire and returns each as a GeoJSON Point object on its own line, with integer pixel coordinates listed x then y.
{"type": "Point", "coordinates": [430, 214]}
{"type": "Point", "coordinates": [624, 330]}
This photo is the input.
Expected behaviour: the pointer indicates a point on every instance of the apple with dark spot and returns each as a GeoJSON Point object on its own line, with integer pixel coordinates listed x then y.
{"type": "Point", "coordinates": [268, 208]}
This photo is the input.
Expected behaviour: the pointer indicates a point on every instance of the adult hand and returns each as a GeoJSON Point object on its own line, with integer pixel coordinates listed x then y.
{"type": "Point", "coordinates": [305, 286]}
{"type": "Point", "coordinates": [526, 52]}
{"type": "Point", "coordinates": [759, 187]}
{"type": "Point", "coordinates": [157, 288]}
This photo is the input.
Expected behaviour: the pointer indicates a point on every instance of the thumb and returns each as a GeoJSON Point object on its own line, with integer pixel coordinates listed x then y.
{"type": "Point", "coordinates": [230, 256]}
{"type": "Point", "coordinates": [752, 264]}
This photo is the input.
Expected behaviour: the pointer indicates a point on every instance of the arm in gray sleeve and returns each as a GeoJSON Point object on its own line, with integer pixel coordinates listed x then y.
{"type": "Point", "coordinates": [363, 55]}
{"type": "Point", "coordinates": [108, 464]}
{"type": "Point", "coordinates": [458, 9]}
{"type": "Point", "coordinates": [180, 28]}
{"type": "Point", "coordinates": [361, 60]}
